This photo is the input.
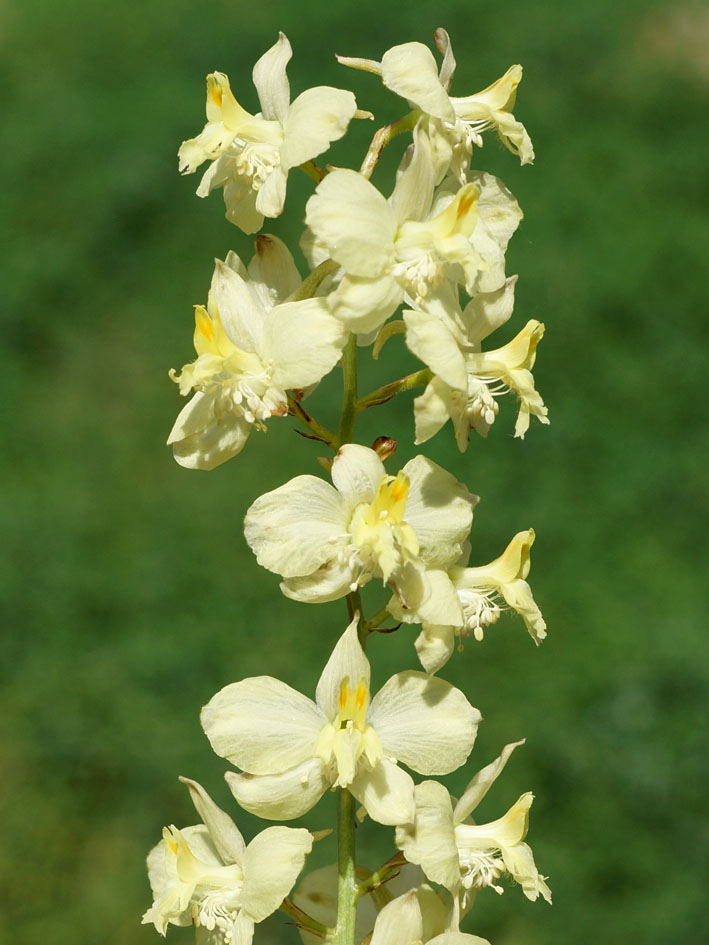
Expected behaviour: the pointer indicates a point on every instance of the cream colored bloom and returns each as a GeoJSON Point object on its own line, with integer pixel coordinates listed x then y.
{"type": "Point", "coordinates": [208, 877]}
{"type": "Point", "coordinates": [291, 750]}
{"type": "Point", "coordinates": [252, 154]}
{"type": "Point", "coordinates": [419, 917]}
{"type": "Point", "coordinates": [252, 346]}
{"type": "Point", "coordinates": [409, 245]}
{"type": "Point", "coordinates": [488, 375]}
{"type": "Point", "coordinates": [454, 124]}
{"type": "Point", "coordinates": [463, 856]}
{"type": "Point", "coordinates": [482, 594]}
{"type": "Point", "coordinates": [326, 541]}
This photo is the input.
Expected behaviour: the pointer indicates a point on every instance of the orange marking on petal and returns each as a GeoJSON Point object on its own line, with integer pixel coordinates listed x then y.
{"type": "Point", "coordinates": [204, 323]}
{"type": "Point", "coordinates": [466, 202]}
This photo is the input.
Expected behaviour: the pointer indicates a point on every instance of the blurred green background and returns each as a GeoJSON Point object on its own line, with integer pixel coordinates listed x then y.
{"type": "Point", "coordinates": [129, 594]}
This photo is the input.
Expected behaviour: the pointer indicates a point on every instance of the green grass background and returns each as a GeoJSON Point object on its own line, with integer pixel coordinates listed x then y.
{"type": "Point", "coordinates": [128, 592]}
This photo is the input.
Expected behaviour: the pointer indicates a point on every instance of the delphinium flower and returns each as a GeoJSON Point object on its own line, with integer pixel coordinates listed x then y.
{"type": "Point", "coordinates": [419, 917]}
{"type": "Point", "coordinates": [291, 750]}
{"type": "Point", "coordinates": [326, 541]}
{"type": "Point", "coordinates": [455, 124]}
{"type": "Point", "coordinates": [251, 155]}
{"type": "Point", "coordinates": [464, 856]}
{"type": "Point", "coordinates": [208, 877]}
{"type": "Point", "coordinates": [253, 344]}
{"type": "Point", "coordinates": [409, 245]}
{"type": "Point", "coordinates": [483, 593]}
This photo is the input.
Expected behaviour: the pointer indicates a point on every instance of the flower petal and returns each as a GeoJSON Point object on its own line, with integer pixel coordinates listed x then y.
{"type": "Point", "coordinates": [481, 784]}
{"type": "Point", "coordinates": [199, 441]}
{"type": "Point", "coordinates": [431, 341]}
{"type": "Point", "coordinates": [271, 195]}
{"type": "Point", "coordinates": [272, 271]}
{"type": "Point", "coordinates": [410, 70]}
{"type": "Point", "coordinates": [331, 581]}
{"type": "Point", "coordinates": [440, 511]}
{"type": "Point", "coordinates": [347, 659]}
{"type": "Point", "coordinates": [290, 529]}
{"type": "Point", "coordinates": [431, 410]}
{"type": "Point", "coordinates": [262, 725]}
{"type": "Point", "coordinates": [386, 792]}
{"type": "Point", "coordinates": [304, 341]}
{"type": "Point", "coordinates": [399, 922]}
{"type": "Point", "coordinates": [424, 722]}
{"type": "Point", "coordinates": [224, 833]}
{"type": "Point", "coordinates": [430, 840]}
{"type": "Point", "coordinates": [357, 472]}
{"type": "Point", "coordinates": [354, 220]}
{"type": "Point", "coordinates": [281, 796]}
{"type": "Point", "coordinates": [271, 82]}
{"type": "Point", "coordinates": [237, 307]}
{"type": "Point", "coordinates": [364, 304]}
{"type": "Point", "coordinates": [435, 645]}
{"type": "Point", "coordinates": [316, 117]}
{"type": "Point", "coordinates": [272, 862]}
{"type": "Point", "coordinates": [488, 310]}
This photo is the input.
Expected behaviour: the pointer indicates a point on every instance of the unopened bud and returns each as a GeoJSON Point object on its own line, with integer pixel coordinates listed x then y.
{"type": "Point", "coordinates": [384, 447]}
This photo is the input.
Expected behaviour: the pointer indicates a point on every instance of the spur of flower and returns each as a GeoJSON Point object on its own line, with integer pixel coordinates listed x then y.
{"type": "Point", "coordinates": [291, 750]}
{"type": "Point", "coordinates": [208, 877]}
{"type": "Point", "coordinates": [252, 346]}
{"type": "Point", "coordinates": [464, 856]}
{"type": "Point", "coordinates": [409, 245]}
{"type": "Point", "coordinates": [481, 594]}
{"type": "Point", "coordinates": [326, 541]}
{"type": "Point", "coordinates": [252, 154]}
{"type": "Point", "coordinates": [454, 123]}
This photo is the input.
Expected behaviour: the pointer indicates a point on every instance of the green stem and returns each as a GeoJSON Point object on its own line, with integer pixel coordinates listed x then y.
{"type": "Point", "coordinates": [382, 138]}
{"type": "Point", "coordinates": [347, 880]}
{"type": "Point", "coordinates": [384, 873]}
{"type": "Point", "coordinates": [302, 919]}
{"type": "Point", "coordinates": [314, 172]}
{"type": "Point", "coordinates": [319, 431]}
{"type": "Point", "coordinates": [382, 394]}
{"type": "Point", "coordinates": [311, 283]}
{"type": "Point", "coordinates": [349, 400]}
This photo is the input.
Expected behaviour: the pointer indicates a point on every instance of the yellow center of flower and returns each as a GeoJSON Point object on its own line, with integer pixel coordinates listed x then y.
{"type": "Point", "coordinates": [348, 738]}
{"type": "Point", "coordinates": [384, 540]}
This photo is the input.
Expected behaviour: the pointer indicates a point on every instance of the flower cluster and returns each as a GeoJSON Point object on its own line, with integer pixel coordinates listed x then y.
{"type": "Point", "coordinates": [434, 246]}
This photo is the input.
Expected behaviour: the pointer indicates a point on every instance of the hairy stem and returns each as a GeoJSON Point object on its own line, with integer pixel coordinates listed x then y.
{"type": "Point", "coordinates": [346, 878]}
{"type": "Point", "coordinates": [349, 400]}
